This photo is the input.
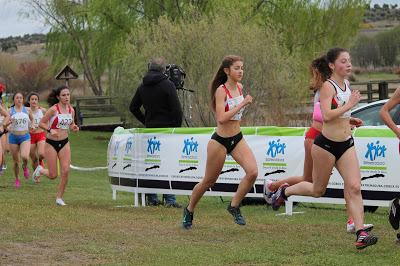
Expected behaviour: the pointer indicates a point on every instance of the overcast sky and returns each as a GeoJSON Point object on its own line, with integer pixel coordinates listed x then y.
{"type": "Point", "coordinates": [13, 24]}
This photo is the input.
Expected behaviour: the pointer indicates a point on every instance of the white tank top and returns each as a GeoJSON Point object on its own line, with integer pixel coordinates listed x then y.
{"type": "Point", "coordinates": [341, 97]}
{"type": "Point", "coordinates": [37, 116]}
{"type": "Point", "coordinates": [19, 120]}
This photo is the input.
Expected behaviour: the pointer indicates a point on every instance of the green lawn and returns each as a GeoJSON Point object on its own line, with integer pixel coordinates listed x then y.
{"type": "Point", "coordinates": [376, 76]}
{"type": "Point", "coordinates": [93, 229]}
{"type": "Point", "coordinates": [101, 120]}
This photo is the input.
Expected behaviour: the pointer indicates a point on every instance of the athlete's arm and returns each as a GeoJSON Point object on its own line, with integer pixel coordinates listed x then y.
{"type": "Point", "coordinates": [6, 115]}
{"type": "Point", "coordinates": [73, 126]}
{"type": "Point", "coordinates": [357, 122]}
{"type": "Point", "coordinates": [43, 124]}
{"type": "Point", "coordinates": [385, 115]}
{"type": "Point", "coordinates": [327, 93]}
{"type": "Point", "coordinates": [31, 118]}
{"type": "Point", "coordinates": [8, 126]}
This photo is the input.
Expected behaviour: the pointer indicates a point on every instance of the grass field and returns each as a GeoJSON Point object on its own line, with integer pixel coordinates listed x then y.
{"type": "Point", "coordinates": [95, 230]}
{"type": "Point", "coordinates": [376, 76]}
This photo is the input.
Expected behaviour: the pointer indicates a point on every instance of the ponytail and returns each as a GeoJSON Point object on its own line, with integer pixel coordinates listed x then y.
{"type": "Point", "coordinates": [319, 68]}
{"type": "Point", "coordinates": [221, 77]}
{"type": "Point", "coordinates": [320, 72]}
{"type": "Point", "coordinates": [52, 99]}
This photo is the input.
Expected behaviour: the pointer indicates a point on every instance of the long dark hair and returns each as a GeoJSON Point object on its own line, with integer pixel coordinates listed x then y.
{"type": "Point", "coordinates": [28, 98]}
{"type": "Point", "coordinates": [221, 77]}
{"type": "Point", "coordinates": [13, 98]}
{"type": "Point", "coordinates": [319, 68]}
{"type": "Point", "coordinates": [52, 99]}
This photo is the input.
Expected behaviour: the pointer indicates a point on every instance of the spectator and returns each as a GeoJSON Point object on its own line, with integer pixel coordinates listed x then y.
{"type": "Point", "coordinates": [162, 109]}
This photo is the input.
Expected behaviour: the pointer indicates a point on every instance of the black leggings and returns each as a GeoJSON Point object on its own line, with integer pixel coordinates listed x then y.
{"type": "Point", "coordinates": [337, 149]}
{"type": "Point", "coordinates": [229, 143]}
{"type": "Point", "coordinates": [57, 144]}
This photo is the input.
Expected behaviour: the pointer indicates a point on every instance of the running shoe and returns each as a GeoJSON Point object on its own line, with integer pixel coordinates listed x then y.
{"type": "Point", "coordinates": [17, 183]}
{"type": "Point", "coordinates": [268, 191]}
{"type": "Point", "coordinates": [60, 202]}
{"type": "Point", "coordinates": [394, 213]}
{"type": "Point", "coordinates": [351, 228]}
{"type": "Point", "coordinates": [187, 219]}
{"type": "Point", "coordinates": [237, 216]}
{"type": "Point", "coordinates": [26, 172]}
{"type": "Point", "coordinates": [278, 198]}
{"type": "Point", "coordinates": [364, 239]}
{"type": "Point", "coordinates": [36, 173]}
{"type": "Point", "coordinates": [4, 166]}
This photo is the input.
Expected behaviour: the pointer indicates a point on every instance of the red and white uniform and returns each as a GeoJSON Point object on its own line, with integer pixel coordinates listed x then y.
{"type": "Point", "coordinates": [231, 102]}
{"type": "Point", "coordinates": [341, 97]}
{"type": "Point", "coordinates": [60, 120]}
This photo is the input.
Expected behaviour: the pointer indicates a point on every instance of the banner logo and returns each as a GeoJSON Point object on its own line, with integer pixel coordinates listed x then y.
{"type": "Point", "coordinates": [189, 159]}
{"type": "Point", "coordinates": [275, 148]}
{"type": "Point", "coordinates": [373, 164]}
{"type": "Point", "coordinates": [128, 145]}
{"type": "Point", "coordinates": [375, 151]}
{"type": "Point", "coordinates": [153, 145]}
{"type": "Point", "coordinates": [190, 146]}
{"type": "Point", "coordinates": [116, 148]}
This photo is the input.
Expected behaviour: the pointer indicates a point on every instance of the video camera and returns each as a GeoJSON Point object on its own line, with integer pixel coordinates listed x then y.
{"type": "Point", "coordinates": [176, 74]}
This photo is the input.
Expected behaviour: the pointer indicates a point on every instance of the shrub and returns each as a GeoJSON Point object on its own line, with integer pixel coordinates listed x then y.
{"type": "Point", "coordinates": [33, 76]}
{"type": "Point", "coordinates": [271, 75]}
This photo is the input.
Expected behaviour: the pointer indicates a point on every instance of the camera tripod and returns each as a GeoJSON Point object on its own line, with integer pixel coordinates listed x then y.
{"type": "Point", "coordinates": [186, 103]}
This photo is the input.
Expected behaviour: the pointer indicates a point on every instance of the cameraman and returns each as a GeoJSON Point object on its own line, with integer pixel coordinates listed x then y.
{"type": "Point", "coordinates": [158, 96]}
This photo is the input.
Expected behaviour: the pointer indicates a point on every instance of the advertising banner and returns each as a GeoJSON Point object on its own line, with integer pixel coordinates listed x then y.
{"type": "Point", "coordinates": [174, 160]}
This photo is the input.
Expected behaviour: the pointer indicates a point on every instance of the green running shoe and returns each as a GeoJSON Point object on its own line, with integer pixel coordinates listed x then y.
{"type": "Point", "coordinates": [237, 216]}
{"type": "Point", "coordinates": [187, 219]}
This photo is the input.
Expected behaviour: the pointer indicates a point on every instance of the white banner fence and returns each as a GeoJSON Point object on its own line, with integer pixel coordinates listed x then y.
{"type": "Point", "coordinates": [172, 161]}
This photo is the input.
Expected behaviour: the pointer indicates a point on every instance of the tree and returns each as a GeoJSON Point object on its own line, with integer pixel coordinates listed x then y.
{"type": "Point", "coordinates": [94, 33]}
{"type": "Point", "coordinates": [389, 48]}
{"type": "Point", "coordinates": [271, 74]}
{"type": "Point", "coordinates": [33, 76]}
{"type": "Point", "coordinates": [365, 52]}
{"type": "Point", "coordinates": [7, 45]}
{"type": "Point", "coordinates": [86, 32]}
{"type": "Point", "coordinates": [309, 27]}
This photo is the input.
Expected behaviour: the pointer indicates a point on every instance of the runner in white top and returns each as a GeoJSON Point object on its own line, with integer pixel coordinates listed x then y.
{"type": "Point", "coordinates": [227, 102]}
{"type": "Point", "coordinates": [18, 137]}
{"type": "Point", "coordinates": [38, 135]}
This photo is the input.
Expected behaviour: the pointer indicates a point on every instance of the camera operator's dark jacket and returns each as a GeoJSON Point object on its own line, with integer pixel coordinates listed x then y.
{"type": "Point", "coordinates": [160, 100]}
